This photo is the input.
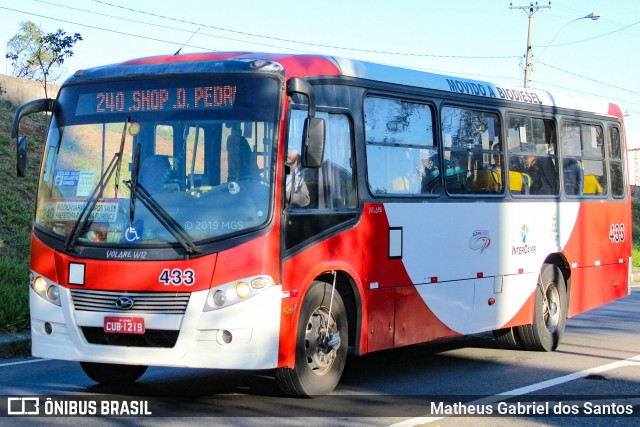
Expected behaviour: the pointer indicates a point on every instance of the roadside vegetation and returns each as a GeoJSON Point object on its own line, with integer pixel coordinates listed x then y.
{"type": "Point", "coordinates": [16, 214]}
{"type": "Point", "coordinates": [636, 234]}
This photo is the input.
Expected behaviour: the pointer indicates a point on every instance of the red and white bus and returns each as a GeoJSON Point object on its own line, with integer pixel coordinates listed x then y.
{"type": "Point", "coordinates": [263, 211]}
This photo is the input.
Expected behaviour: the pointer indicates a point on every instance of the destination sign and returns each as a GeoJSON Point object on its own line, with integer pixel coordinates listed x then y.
{"type": "Point", "coordinates": [158, 99]}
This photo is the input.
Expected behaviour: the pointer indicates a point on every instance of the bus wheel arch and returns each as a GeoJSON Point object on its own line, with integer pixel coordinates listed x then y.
{"type": "Point", "coordinates": [321, 344]}
{"type": "Point", "coordinates": [352, 299]}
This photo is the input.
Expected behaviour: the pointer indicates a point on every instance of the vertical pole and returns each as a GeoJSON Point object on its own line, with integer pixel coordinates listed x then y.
{"type": "Point", "coordinates": [527, 68]}
{"type": "Point", "coordinates": [533, 8]}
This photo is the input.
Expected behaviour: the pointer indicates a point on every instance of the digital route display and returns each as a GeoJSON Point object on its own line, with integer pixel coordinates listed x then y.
{"type": "Point", "coordinates": [214, 97]}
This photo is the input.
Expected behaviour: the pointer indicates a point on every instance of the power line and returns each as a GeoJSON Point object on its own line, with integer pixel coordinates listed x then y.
{"type": "Point", "coordinates": [595, 37]}
{"type": "Point", "coordinates": [245, 33]}
{"type": "Point", "coordinates": [160, 26]}
{"type": "Point", "coordinates": [105, 29]}
{"type": "Point", "coordinates": [214, 50]}
{"type": "Point", "coordinates": [590, 94]}
{"type": "Point", "coordinates": [590, 79]}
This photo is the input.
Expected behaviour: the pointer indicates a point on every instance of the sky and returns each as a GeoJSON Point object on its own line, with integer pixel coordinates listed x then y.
{"type": "Point", "coordinates": [476, 39]}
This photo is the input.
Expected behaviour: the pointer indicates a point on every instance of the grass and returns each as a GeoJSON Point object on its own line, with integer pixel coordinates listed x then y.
{"type": "Point", "coordinates": [16, 214]}
{"type": "Point", "coordinates": [636, 234]}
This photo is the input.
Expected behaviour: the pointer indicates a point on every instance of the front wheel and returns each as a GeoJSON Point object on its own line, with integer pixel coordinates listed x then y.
{"type": "Point", "coordinates": [550, 312]}
{"type": "Point", "coordinates": [321, 345]}
{"type": "Point", "coordinates": [109, 373]}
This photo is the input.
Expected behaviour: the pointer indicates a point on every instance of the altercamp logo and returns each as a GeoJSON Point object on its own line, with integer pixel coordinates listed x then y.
{"type": "Point", "coordinates": [480, 240]}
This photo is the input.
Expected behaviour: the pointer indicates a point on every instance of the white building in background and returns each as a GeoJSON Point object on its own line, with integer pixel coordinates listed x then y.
{"type": "Point", "coordinates": [633, 146]}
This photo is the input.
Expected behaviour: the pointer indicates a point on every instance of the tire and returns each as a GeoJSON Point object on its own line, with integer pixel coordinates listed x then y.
{"type": "Point", "coordinates": [108, 373]}
{"type": "Point", "coordinates": [550, 313]}
{"type": "Point", "coordinates": [508, 338]}
{"type": "Point", "coordinates": [316, 371]}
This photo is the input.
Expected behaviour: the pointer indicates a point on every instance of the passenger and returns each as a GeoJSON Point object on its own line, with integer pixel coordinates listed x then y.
{"type": "Point", "coordinates": [543, 175]}
{"type": "Point", "coordinates": [239, 155]}
{"type": "Point", "coordinates": [431, 183]}
{"type": "Point", "coordinates": [295, 181]}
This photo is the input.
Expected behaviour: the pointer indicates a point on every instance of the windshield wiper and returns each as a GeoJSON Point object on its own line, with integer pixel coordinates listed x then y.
{"type": "Point", "coordinates": [162, 216]}
{"type": "Point", "coordinates": [88, 208]}
{"type": "Point", "coordinates": [133, 184]}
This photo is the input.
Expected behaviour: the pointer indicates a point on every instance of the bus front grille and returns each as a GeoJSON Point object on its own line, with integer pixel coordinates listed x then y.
{"type": "Point", "coordinates": [130, 302]}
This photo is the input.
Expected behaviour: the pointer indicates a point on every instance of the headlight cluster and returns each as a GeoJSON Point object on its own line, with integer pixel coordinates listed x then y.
{"type": "Point", "coordinates": [235, 292]}
{"type": "Point", "coordinates": [46, 289]}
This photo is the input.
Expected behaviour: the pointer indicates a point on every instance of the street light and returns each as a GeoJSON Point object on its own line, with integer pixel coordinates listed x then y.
{"type": "Point", "coordinates": [593, 16]}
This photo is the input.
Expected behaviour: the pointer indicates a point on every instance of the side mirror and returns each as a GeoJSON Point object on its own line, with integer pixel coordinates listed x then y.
{"type": "Point", "coordinates": [21, 155]}
{"type": "Point", "coordinates": [35, 106]}
{"type": "Point", "coordinates": [313, 142]}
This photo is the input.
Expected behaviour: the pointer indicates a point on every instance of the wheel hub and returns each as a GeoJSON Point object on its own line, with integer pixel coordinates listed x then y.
{"type": "Point", "coordinates": [321, 341]}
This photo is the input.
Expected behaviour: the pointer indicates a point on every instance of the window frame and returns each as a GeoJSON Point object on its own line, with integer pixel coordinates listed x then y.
{"type": "Point", "coordinates": [487, 109]}
{"type": "Point", "coordinates": [582, 122]}
{"type": "Point", "coordinates": [433, 114]}
{"type": "Point", "coordinates": [553, 120]}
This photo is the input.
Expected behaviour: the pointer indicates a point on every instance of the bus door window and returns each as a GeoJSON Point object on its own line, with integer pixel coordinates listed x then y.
{"type": "Point", "coordinates": [301, 187]}
{"type": "Point", "coordinates": [319, 199]}
{"type": "Point", "coordinates": [473, 151]}
{"type": "Point", "coordinates": [331, 186]}
{"type": "Point", "coordinates": [616, 168]}
{"type": "Point", "coordinates": [532, 156]}
{"type": "Point", "coordinates": [402, 157]}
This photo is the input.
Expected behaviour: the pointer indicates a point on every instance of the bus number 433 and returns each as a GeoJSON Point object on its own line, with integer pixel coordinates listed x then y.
{"type": "Point", "coordinates": [616, 233]}
{"type": "Point", "coordinates": [177, 277]}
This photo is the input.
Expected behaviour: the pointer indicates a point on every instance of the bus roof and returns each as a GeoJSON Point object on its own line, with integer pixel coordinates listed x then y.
{"type": "Point", "coordinates": [307, 65]}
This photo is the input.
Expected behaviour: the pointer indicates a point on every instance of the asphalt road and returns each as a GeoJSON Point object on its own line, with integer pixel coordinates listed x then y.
{"type": "Point", "coordinates": [595, 370]}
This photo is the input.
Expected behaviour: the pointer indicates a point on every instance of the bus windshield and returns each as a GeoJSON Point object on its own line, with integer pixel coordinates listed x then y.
{"type": "Point", "coordinates": [157, 162]}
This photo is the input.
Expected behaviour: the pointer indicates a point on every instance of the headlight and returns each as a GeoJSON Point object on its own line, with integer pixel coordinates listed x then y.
{"type": "Point", "coordinates": [46, 289]}
{"type": "Point", "coordinates": [235, 292]}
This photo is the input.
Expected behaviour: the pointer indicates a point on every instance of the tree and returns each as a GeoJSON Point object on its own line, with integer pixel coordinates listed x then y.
{"type": "Point", "coordinates": [38, 56]}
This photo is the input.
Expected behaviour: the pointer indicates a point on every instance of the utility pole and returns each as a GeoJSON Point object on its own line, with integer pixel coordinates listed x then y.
{"type": "Point", "coordinates": [532, 10]}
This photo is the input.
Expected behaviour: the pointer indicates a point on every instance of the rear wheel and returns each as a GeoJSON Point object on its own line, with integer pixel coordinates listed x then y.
{"type": "Point", "coordinates": [109, 373]}
{"type": "Point", "coordinates": [321, 345]}
{"type": "Point", "coordinates": [508, 338]}
{"type": "Point", "coordinates": [550, 314]}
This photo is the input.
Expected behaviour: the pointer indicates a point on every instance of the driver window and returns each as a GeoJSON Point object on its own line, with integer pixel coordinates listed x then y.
{"type": "Point", "coordinates": [330, 186]}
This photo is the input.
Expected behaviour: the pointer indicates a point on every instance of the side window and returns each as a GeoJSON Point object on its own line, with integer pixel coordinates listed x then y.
{"type": "Point", "coordinates": [330, 186]}
{"type": "Point", "coordinates": [473, 152]}
{"type": "Point", "coordinates": [583, 159]}
{"type": "Point", "coordinates": [402, 157]}
{"type": "Point", "coordinates": [533, 159]}
{"type": "Point", "coordinates": [616, 168]}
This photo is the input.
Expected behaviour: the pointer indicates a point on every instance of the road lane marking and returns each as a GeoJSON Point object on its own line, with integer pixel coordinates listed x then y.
{"type": "Point", "coordinates": [528, 389]}
{"type": "Point", "coordinates": [23, 362]}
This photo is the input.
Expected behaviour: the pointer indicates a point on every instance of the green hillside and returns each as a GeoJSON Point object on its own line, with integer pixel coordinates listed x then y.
{"type": "Point", "coordinates": [16, 212]}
